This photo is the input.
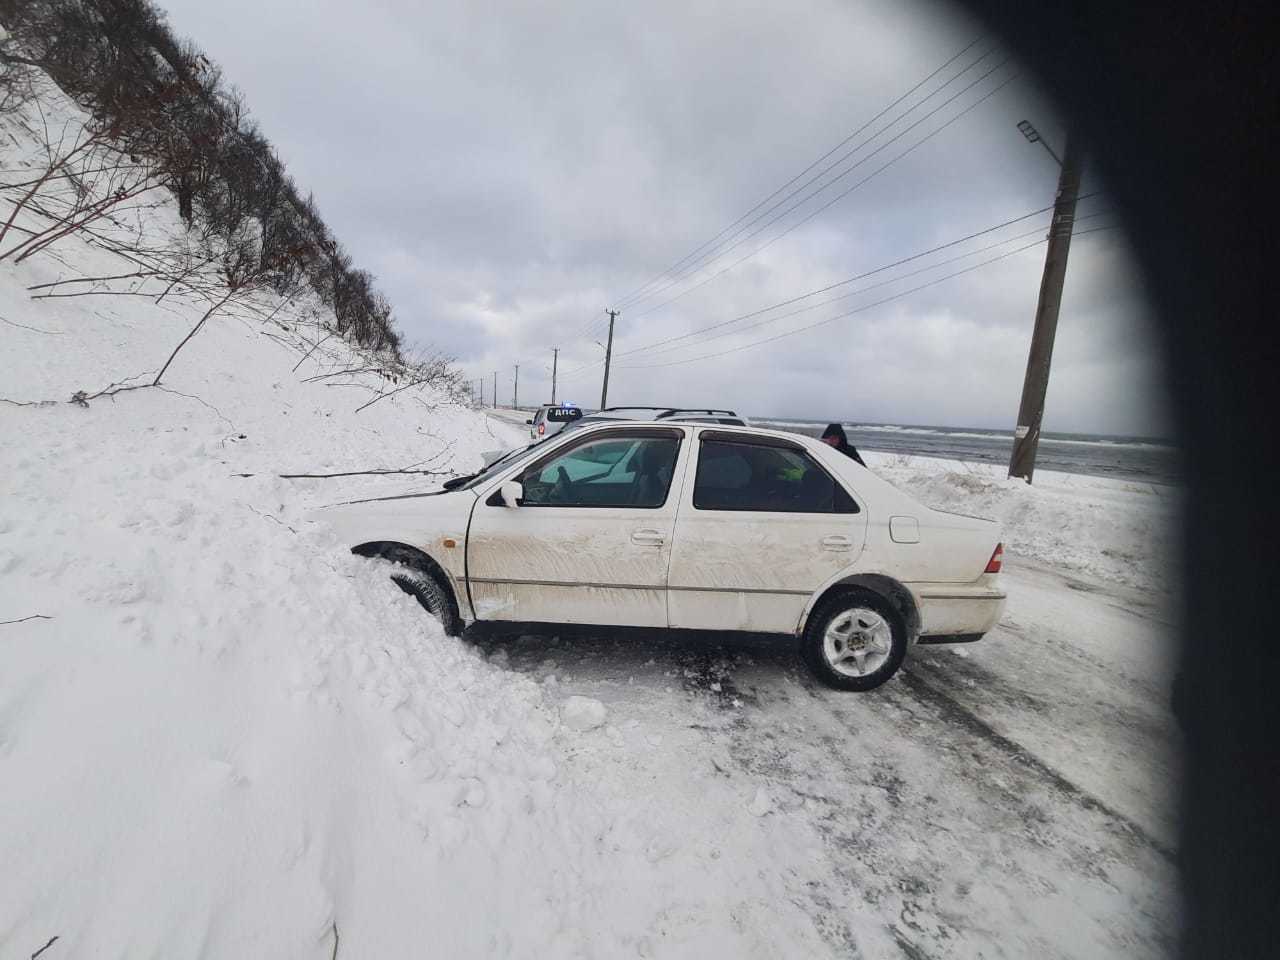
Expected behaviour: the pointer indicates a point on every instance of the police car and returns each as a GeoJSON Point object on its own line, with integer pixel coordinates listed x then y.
{"type": "Point", "coordinates": [551, 419]}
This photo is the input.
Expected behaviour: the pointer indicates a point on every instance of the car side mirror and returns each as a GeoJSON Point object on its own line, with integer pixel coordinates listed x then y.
{"type": "Point", "coordinates": [529, 423]}
{"type": "Point", "coordinates": [512, 492]}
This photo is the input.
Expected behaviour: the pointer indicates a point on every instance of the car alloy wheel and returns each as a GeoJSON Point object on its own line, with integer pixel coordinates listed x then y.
{"type": "Point", "coordinates": [857, 642]}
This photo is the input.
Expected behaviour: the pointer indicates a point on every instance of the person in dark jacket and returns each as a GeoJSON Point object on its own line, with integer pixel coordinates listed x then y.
{"type": "Point", "coordinates": [834, 435]}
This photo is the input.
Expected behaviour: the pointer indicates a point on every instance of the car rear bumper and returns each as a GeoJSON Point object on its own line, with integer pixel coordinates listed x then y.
{"type": "Point", "coordinates": [957, 610]}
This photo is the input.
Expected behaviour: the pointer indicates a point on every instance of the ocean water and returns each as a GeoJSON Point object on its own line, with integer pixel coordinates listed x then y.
{"type": "Point", "coordinates": [1125, 458]}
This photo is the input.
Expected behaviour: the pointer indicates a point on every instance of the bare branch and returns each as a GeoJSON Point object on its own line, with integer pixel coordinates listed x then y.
{"type": "Point", "coordinates": [360, 473]}
{"type": "Point", "coordinates": [392, 393]}
{"type": "Point", "coordinates": [52, 333]}
{"type": "Point", "coordinates": [311, 351]}
{"type": "Point", "coordinates": [194, 330]}
{"type": "Point", "coordinates": [118, 276]}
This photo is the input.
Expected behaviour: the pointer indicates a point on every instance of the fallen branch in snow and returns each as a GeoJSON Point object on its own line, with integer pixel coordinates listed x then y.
{"type": "Point", "coordinates": [408, 471]}
{"type": "Point", "coordinates": [52, 333]}
{"type": "Point", "coordinates": [192, 396]}
{"type": "Point", "coordinates": [383, 396]}
{"type": "Point", "coordinates": [194, 330]}
{"type": "Point", "coordinates": [81, 398]}
{"type": "Point", "coordinates": [338, 373]}
{"type": "Point", "coordinates": [334, 955]}
{"type": "Point", "coordinates": [34, 616]}
{"type": "Point", "coordinates": [119, 276]}
{"type": "Point", "coordinates": [355, 473]}
{"type": "Point", "coordinates": [312, 350]}
{"type": "Point", "coordinates": [267, 516]}
{"type": "Point", "coordinates": [279, 339]}
{"type": "Point", "coordinates": [52, 941]}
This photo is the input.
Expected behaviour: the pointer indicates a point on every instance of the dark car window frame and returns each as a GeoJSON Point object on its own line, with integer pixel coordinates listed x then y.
{"type": "Point", "coordinates": [843, 502]}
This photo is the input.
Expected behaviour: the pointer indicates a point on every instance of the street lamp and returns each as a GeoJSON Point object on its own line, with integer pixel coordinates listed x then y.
{"type": "Point", "coordinates": [1033, 136]}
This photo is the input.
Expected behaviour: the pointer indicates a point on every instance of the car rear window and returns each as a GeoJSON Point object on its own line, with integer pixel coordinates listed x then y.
{"type": "Point", "coordinates": [768, 479]}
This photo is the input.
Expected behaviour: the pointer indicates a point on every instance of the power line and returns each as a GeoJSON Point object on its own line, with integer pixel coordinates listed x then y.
{"type": "Point", "coordinates": [844, 193]}
{"type": "Point", "coordinates": [841, 283]}
{"type": "Point", "coordinates": [854, 293]}
{"type": "Point", "coordinates": [873, 286]}
{"type": "Point", "coordinates": [598, 322]}
{"type": "Point", "coordinates": [861, 276]}
{"type": "Point", "coordinates": [582, 331]}
{"type": "Point", "coordinates": [856, 310]}
{"type": "Point", "coordinates": [628, 298]}
{"type": "Point", "coordinates": [712, 256]}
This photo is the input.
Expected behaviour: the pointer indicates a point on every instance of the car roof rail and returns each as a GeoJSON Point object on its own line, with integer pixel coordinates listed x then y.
{"type": "Point", "coordinates": [663, 413]}
{"type": "Point", "coordinates": [683, 411]}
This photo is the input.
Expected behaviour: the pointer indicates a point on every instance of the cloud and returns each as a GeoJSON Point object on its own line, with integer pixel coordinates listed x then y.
{"type": "Point", "coordinates": [509, 170]}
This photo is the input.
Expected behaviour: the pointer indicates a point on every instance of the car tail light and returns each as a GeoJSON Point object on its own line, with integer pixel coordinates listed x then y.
{"type": "Point", "coordinates": [542, 428]}
{"type": "Point", "coordinates": [997, 556]}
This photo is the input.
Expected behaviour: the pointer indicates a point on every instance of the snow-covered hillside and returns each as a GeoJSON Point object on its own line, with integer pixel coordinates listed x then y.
{"type": "Point", "coordinates": [222, 735]}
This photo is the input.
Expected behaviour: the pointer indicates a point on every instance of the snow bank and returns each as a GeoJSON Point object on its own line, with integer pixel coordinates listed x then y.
{"type": "Point", "coordinates": [1114, 530]}
{"type": "Point", "coordinates": [222, 735]}
{"type": "Point", "coordinates": [582, 713]}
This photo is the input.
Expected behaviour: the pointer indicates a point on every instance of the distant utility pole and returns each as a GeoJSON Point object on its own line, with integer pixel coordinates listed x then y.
{"type": "Point", "coordinates": [495, 389]}
{"type": "Point", "coordinates": [608, 356]}
{"type": "Point", "coordinates": [1026, 436]}
{"type": "Point", "coordinates": [515, 390]}
{"type": "Point", "coordinates": [555, 360]}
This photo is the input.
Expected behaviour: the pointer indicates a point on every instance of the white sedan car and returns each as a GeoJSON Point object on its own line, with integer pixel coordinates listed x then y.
{"type": "Point", "coordinates": [685, 526]}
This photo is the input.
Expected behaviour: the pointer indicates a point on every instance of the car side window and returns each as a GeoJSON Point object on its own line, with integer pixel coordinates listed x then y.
{"type": "Point", "coordinates": [614, 471]}
{"type": "Point", "coordinates": [759, 478]}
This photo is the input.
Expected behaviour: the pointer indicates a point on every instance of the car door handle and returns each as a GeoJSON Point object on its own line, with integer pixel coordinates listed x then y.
{"type": "Point", "coordinates": [837, 543]}
{"type": "Point", "coordinates": [648, 538]}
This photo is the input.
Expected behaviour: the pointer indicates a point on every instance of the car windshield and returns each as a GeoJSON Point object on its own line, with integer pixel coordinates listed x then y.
{"type": "Point", "coordinates": [469, 480]}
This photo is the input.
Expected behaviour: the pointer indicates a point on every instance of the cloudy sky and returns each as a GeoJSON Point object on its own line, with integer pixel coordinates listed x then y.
{"type": "Point", "coordinates": [509, 170]}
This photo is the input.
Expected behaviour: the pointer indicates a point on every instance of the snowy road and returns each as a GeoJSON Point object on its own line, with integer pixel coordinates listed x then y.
{"type": "Point", "coordinates": [1001, 799]}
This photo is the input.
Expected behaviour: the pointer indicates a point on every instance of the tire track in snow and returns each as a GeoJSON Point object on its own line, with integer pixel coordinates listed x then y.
{"type": "Point", "coordinates": [957, 714]}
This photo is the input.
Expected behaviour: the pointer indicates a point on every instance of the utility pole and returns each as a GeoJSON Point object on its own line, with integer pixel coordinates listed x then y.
{"type": "Point", "coordinates": [1026, 435]}
{"type": "Point", "coordinates": [495, 389]}
{"type": "Point", "coordinates": [515, 390]}
{"type": "Point", "coordinates": [555, 360]}
{"type": "Point", "coordinates": [608, 355]}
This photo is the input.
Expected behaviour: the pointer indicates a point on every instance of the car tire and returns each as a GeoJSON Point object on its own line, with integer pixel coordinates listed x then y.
{"type": "Point", "coordinates": [433, 598]}
{"type": "Point", "coordinates": [855, 640]}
